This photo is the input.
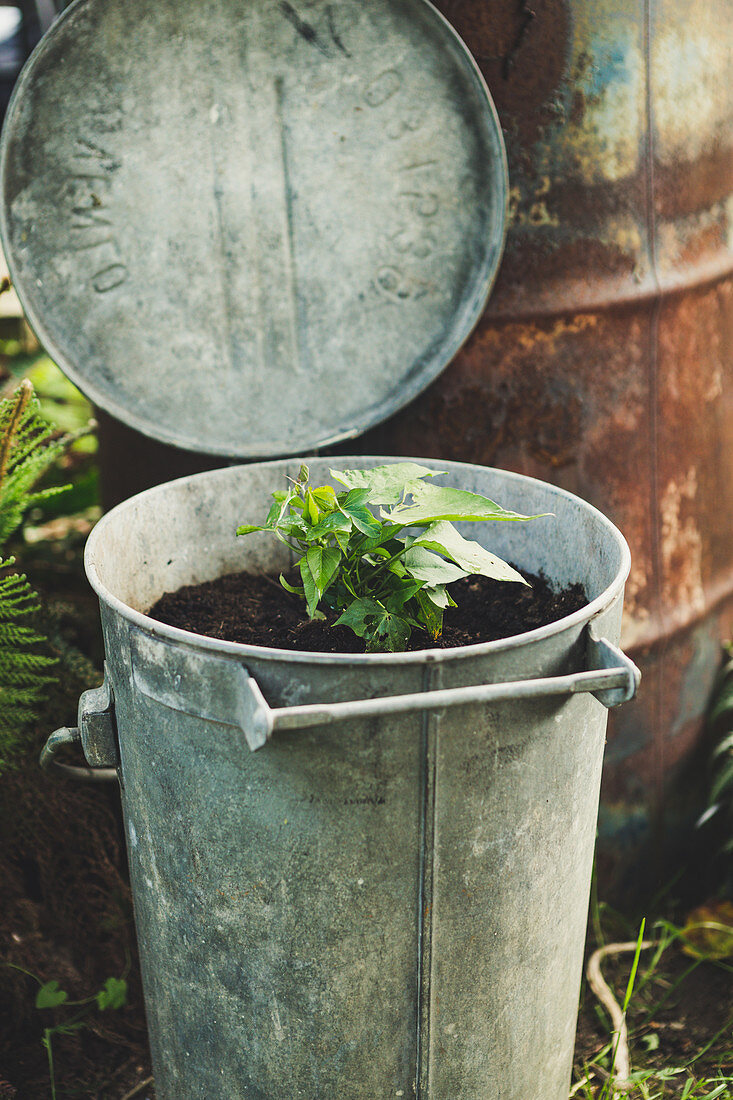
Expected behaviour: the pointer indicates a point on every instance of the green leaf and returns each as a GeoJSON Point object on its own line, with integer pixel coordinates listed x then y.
{"type": "Point", "coordinates": [393, 633]}
{"type": "Point", "coordinates": [440, 596]}
{"type": "Point", "coordinates": [311, 507]}
{"type": "Point", "coordinates": [395, 567]}
{"type": "Point", "coordinates": [386, 484]}
{"type": "Point", "coordinates": [69, 1027]}
{"type": "Point", "coordinates": [359, 614]}
{"type": "Point", "coordinates": [325, 498]}
{"type": "Point", "coordinates": [723, 700]}
{"type": "Point", "coordinates": [50, 996]}
{"type": "Point", "coordinates": [381, 628]}
{"type": "Point", "coordinates": [248, 528]}
{"type": "Point", "coordinates": [322, 562]}
{"type": "Point", "coordinates": [725, 746]}
{"type": "Point", "coordinates": [310, 589]}
{"type": "Point", "coordinates": [114, 994]}
{"type": "Point", "coordinates": [277, 509]}
{"type": "Point", "coordinates": [333, 524]}
{"type": "Point", "coordinates": [383, 536]}
{"type": "Point", "coordinates": [431, 615]}
{"type": "Point", "coordinates": [293, 525]}
{"type": "Point", "coordinates": [393, 638]}
{"type": "Point", "coordinates": [469, 555]}
{"type": "Point", "coordinates": [435, 502]}
{"type": "Point", "coordinates": [402, 591]}
{"type": "Point", "coordinates": [722, 781]}
{"type": "Point", "coordinates": [431, 568]}
{"type": "Point", "coordinates": [342, 539]}
{"type": "Point", "coordinates": [353, 504]}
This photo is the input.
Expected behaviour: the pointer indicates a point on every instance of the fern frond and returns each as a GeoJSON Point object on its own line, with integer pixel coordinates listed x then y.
{"type": "Point", "coordinates": [12, 635]}
{"type": "Point", "coordinates": [16, 607]}
{"type": "Point", "coordinates": [23, 666]}
{"type": "Point", "coordinates": [27, 450]}
{"type": "Point", "coordinates": [19, 696]}
{"type": "Point", "coordinates": [23, 671]}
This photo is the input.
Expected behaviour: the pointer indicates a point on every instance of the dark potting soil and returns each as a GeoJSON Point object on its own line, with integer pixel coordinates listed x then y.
{"type": "Point", "coordinates": [255, 609]}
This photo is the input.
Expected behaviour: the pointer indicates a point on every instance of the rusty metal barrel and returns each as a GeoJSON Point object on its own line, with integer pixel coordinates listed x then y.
{"type": "Point", "coordinates": [602, 363]}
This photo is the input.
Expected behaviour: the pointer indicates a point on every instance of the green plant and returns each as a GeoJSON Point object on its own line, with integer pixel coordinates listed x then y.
{"type": "Point", "coordinates": [27, 450]}
{"type": "Point", "coordinates": [112, 995]}
{"type": "Point", "coordinates": [380, 575]}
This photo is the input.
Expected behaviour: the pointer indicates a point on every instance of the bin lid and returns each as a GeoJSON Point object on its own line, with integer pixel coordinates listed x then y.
{"type": "Point", "coordinates": [252, 227]}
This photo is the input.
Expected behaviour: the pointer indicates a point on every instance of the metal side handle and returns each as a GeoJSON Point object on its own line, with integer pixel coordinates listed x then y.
{"type": "Point", "coordinates": [95, 733]}
{"type": "Point", "coordinates": [612, 678]}
{"type": "Point", "coordinates": [226, 693]}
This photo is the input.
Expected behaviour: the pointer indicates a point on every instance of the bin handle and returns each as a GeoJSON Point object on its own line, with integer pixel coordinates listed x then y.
{"type": "Point", "coordinates": [228, 694]}
{"type": "Point", "coordinates": [70, 735]}
{"type": "Point", "coordinates": [611, 677]}
{"type": "Point", "coordinates": [95, 732]}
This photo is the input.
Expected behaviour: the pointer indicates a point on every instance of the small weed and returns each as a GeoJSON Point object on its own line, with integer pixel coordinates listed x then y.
{"type": "Point", "coordinates": [112, 995]}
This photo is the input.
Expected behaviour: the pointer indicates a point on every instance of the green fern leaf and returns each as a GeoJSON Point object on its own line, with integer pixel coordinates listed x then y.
{"type": "Point", "coordinates": [27, 450]}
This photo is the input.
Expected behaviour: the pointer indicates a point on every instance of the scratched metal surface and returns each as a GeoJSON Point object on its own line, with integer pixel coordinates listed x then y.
{"type": "Point", "coordinates": [383, 908]}
{"type": "Point", "coordinates": [250, 230]}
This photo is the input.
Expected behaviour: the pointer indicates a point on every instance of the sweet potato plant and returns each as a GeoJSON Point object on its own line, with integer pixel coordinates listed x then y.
{"type": "Point", "coordinates": [381, 554]}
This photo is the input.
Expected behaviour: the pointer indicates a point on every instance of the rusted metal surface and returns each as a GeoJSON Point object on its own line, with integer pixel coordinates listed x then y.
{"type": "Point", "coordinates": [603, 361]}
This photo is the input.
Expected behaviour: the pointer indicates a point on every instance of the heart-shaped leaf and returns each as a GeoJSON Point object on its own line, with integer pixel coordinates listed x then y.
{"type": "Point", "coordinates": [50, 995]}
{"type": "Point", "coordinates": [386, 484]}
{"type": "Point", "coordinates": [353, 504]}
{"type": "Point", "coordinates": [323, 561]}
{"type": "Point", "coordinates": [436, 502]}
{"type": "Point", "coordinates": [428, 567]}
{"type": "Point", "coordinates": [114, 994]}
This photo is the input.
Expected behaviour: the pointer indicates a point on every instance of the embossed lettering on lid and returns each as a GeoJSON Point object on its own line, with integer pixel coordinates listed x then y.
{"type": "Point", "coordinates": [252, 227]}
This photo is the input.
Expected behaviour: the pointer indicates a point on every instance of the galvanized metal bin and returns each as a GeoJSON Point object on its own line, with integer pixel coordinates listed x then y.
{"type": "Point", "coordinates": [355, 876]}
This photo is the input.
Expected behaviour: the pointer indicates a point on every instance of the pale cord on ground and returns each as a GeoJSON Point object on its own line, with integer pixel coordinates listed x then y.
{"type": "Point", "coordinates": [620, 1061]}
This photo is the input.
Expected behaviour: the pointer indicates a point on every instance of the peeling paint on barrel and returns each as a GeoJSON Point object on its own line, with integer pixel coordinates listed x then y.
{"type": "Point", "coordinates": [603, 361]}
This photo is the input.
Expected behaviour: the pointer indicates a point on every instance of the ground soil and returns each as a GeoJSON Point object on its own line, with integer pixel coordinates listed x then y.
{"type": "Point", "coordinates": [257, 610]}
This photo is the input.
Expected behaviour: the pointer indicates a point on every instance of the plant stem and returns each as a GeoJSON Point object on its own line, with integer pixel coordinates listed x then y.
{"type": "Point", "coordinates": [24, 394]}
{"type": "Point", "coordinates": [48, 1032]}
{"type": "Point", "coordinates": [138, 1088]}
{"type": "Point", "coordinates": [388, 561]}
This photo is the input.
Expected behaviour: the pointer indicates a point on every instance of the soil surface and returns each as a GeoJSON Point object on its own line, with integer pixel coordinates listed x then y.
{"type": "Point", "coordinates": [243, 607]}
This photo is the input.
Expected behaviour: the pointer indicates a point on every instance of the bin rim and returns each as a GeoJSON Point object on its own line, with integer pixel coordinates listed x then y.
{"type": "Point", "coordinates": [243, 650]}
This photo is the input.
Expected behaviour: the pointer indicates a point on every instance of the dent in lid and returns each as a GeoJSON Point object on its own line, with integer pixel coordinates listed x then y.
{"type": "Point", "coordinates": [252, 228]}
